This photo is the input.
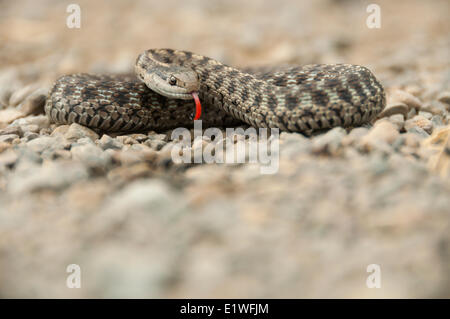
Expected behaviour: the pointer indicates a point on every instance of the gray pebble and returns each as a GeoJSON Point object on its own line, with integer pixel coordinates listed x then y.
{"type": "Point", "coordinates": [53, 175]}
{"type": "Point", "coordinates": [107, 142]}
{"type": "Point", "coordinates": [8, 138]}
{"type": "Point", "coordinates": [90, 155]}
{"type": "Point", "coordinates": [76, 131]}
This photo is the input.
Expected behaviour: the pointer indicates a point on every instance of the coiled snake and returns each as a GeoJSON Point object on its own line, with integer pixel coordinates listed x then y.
{"type": "Point", "coordinates": [297, 99]}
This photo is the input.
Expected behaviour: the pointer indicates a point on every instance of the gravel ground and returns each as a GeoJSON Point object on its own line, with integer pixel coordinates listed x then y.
{"type": "Point", "coordinates": [140, 225]}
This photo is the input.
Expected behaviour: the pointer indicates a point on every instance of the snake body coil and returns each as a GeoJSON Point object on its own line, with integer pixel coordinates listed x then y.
{"type": "Point", "coordinates": [297, 99]}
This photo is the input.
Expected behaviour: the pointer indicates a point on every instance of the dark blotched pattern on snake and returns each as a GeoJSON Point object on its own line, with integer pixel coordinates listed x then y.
{"type": "Point", "coordinates": [298, 99]}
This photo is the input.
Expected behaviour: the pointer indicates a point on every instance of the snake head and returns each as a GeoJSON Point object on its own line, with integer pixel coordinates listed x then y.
{"type": "Point", "coordinates": [172, 81]}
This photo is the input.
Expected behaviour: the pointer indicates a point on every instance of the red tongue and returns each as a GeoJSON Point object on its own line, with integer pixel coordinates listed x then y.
{"type": "Point", "coordinates": [198, 106]}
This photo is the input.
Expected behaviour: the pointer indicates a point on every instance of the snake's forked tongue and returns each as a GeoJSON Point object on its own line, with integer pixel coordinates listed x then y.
{"type": "Point", "coordinates": [198, 106]}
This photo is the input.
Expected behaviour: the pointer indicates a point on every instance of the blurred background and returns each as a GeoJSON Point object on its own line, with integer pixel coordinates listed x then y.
{"type": "Point", "coordinates": [138, 228]}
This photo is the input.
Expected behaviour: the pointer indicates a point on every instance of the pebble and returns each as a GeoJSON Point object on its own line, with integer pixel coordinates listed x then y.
{"type": "Point", "coordinates": [8, 158]}
{"type": "Point", "coordinates": [418, 131]}
{"type": "Point", "coordinates": [9, 115]}
{"type": "Point", "coordinates": [107, 142]}
{"type": "Point", "coordinates": [126, 140]}
{"type": "Point", "coordinates": [4, 146]}
{"type": "Point", "coordinates": [31, 128]}
{"type": "Point", "coordinates": [41, 121]}
{"type": "Point", "coordinates": [411, 140]}
{"type": "Point", "coordinates": [43, 143]}
{"type": "Point", "coordinates": [330, 142]}
{"type": "Point", "coordinates": [139, 137]}
{"type": "Point", "coordinates": [421, 122]}
{"type": "Point", "coordinates": [150, 196]}
{"type": "Point", "coordinates": [434, 107]}
{"type": "Point", "coordinates": [155, 144]}
{"type": "Point", "coordinates": [155, 136]}
{"type": "Point", "coordinates": [51, 175]}
{"type": "Point", "coordinates": [380, 136]}
{"type": "Point", "coordinates": [128, 157]}
{"type": "Point", "coordinates": [444, 97]}
{"type": "Point", "coordinates": [12, 129]}
{"type": "Point", "coordinates": [437, 121]}
{"type": "Point", "coordinates": [90, 155]}
{"type": "Point", "coordinates": [426, 115]}
{"type": "Point", "coordinates": [34, 103]}
{"type": "Point", "coordinates": [406, 98]}
{"type": "Point", "coordinates": [394, 108]}
{"type": "Point", "coordinates": [76, 131]}
{"type": "Point", "coordinates": [123, 174]}
{"type": "Point", "coordinates": [60, 130]}
{"type": "Point", "coordinates": [8, 138]}
{"type": "Point", "coordinates": [20, 95]}
{"type": "Point", "coordinates": [398, 120]}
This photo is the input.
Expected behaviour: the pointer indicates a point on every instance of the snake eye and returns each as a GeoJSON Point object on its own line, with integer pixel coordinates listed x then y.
{"type": "Point", "coordinates": [172, 80]}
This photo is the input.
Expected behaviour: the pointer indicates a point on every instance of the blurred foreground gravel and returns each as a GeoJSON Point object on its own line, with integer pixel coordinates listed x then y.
{"type": "Point", "coordinates": [139, 225]}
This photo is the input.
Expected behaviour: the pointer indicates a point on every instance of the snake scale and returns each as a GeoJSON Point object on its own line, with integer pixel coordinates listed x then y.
{"type": "Point", "coordinates": [292, 98]}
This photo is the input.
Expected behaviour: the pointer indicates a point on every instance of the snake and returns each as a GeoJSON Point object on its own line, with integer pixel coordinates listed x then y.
{"type": "Point", "coordinates": [160, 95]}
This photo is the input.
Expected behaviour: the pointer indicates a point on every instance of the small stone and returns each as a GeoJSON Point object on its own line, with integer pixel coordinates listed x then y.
{"type": "Point", "coordinates": [40, 120]}
{"type": "Point", "coordinates": [31, 128]}
{"type": "Point", "coordinates": [61, 154]}
{"type": "Point", "coordinates": [43, 143]}
{"type": "Point", "coordinates": [51, 175]}
{"type": "Point", "coordinates": [444, 97]}
{"type": "Point", "coordinates": [8, 158]}
{"type": "Point", "coordinates": [418, 131]}
{"type": "Point", "coordinates": [128, 157]}
{"type": "Point", "coordinates": [90, 155]}
{"type": "Point", "coordinates": [60, 130]}
{"type": "Point", "coordinates": [411, 114]}
{"type": "Point", "coordinates": [330, 142]}
{"type": "Point", "coordinates": [357, 133]}
{"type": "Point", "coordinates": [139, 137]}
{"type": "Point", "coordinates": [8, 138]}
{"type": "Point", "coordinates": [406, 98]}
{"type": "Point", "coordinates": [7, 116]}
{"type": "Point", "coordinates": [18, 96]}
{"type": "Point", "coordinates": [294, 144]}
{"type": "Point", "coordinates": [437, 121]}
{"type": "Point", "coordinates": [126, 140]}
{"type": "Point", "coordinates": [398, 120]}
{"type": "Point", "coordinates": [394, 108]}
{"type": "Point", "coordinates": [354, 135]}
{"type": "Point", "coordinates": [411, 140]}
{"type": "Point", "coordinates": [4, 146]}
{"type": "Point", "coordinates": [77, 131]}
{"type": "Point", "coordinates": [107, 142]}
{"type": "Point", "coordinates": [165, 155]}
{"type": "Point", "coordinates": [434, 107]}
{"type": "Point", "coordinates": [150, 196]}
{"type": "Point", "coordinates": [30, 136]}
{"type": "Point", "coordinates": [155, 136]}
{"type": "Point", "coordinates": [34, 104]}
{"type": "Point", "coordinates": [420, 121]}
{"type": "Point", "coordinates": [129, 173]}
{"type": "Point", "coordinates": [426, 115]}
{"type": "Point", "coordinates": [381, 134]}
{"type": "Point", "coordinates": [5, 95]}
{"type": "Point", "coordinates": [12, 129]}
{"type": "Point", "coordinates": [155, 144]}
